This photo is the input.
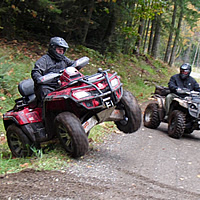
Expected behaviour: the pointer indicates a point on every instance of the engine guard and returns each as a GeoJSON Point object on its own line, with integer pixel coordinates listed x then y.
{"type": "Point", "coordinates": [110, 114]}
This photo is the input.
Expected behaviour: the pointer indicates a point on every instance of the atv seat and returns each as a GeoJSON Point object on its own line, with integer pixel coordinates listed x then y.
{"type": "Point", "coordinates": [26, 89]}
{"type": "Point", "coordinates": [162, 90]}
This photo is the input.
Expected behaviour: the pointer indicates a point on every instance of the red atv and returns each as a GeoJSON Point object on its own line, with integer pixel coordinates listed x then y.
{"type": "Point", "coordinates": [69, 112]}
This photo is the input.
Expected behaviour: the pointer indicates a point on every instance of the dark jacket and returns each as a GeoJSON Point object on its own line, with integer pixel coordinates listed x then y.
{"type": "Point", "coordinates": [176, 82]}
{"type": "Point", "coordinates": [46, 65]}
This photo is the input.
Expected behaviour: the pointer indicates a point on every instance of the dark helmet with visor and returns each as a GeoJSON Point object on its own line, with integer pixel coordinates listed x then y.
{"type": "Point", "coordinates": [57, 42]}
{"type": "Point", "coordinates": [185, 70]}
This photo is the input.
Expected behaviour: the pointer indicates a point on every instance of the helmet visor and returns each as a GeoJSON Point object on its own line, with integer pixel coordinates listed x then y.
{"type": "Point", "coordinates": [185, 72]}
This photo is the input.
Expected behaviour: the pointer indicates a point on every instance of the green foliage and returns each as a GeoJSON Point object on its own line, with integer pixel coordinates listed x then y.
{"type": "Point", "coordinates": [55, 159]}
{"type": "Point", "coordinates": [50, 157]}
{"type": "Point", "coordinates": [91, 53]}
{"type": "Point", "coordinates": [107, 26]}
{"type": "Point", "coordinates": [37, 152]}
{"type": "Point", "coordinates": [100, 132]}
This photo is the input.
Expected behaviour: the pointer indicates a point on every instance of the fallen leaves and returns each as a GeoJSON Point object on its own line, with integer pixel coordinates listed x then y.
{"type": "Point", "coordinates": [11, 71]}
{"type": "Point", "coordinates": [2, 139]}
{"type": "Point", "coordinates": [117, 131]}
{"type": "Point", "coordinates": [2, 98]}
{"type": "Point", "coordinates": [24, 165]}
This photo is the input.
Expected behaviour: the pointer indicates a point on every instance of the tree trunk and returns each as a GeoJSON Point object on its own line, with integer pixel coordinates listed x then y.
{"type": "Point", "coordinates": [146, 35]}
{"type": "Point", "coordinates": [151, 35]}
{"type": "Point", "coordinates": [107, 39]}
{"type": "Point", "coordinates": [139, 38]}
{"type": "Point", "coordinates": [176, 38]}
{"type": "Point", "coordinates": [156, 40]}
{"type": "Point", "coordinates": [128, 40]}
{"type": "Point", "coordinates": [167, 53]}
{"type": "Point", "coordinates": [198, 58]}
{"type": "Point", "coordinates": [195, 55]}
{"type": "Point", "coordinates": [87, 21]}
{"type": "Point", "coordinates": [187, 54]}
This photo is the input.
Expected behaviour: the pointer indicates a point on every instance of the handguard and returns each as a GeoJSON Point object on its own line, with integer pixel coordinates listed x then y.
{"type": "Point", "coordinates": [48, 78]}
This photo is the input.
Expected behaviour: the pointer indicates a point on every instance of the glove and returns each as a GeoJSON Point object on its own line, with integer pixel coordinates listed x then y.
{"type": "Point", "coordinates": [180, 91]}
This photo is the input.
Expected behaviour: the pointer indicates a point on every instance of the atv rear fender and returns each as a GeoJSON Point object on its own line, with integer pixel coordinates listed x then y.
{"type": "Point", "coordinates": [22, 117]}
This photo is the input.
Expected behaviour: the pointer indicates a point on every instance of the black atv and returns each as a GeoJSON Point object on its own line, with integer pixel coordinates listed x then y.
{"type": "Point", "coordinates": [183, 114]}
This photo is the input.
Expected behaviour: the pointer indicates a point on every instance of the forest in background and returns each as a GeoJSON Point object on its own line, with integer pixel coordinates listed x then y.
{"type": "Point", "coordinates": [131, 37]}
{"type": "Point", "coordinates": [166, 30]}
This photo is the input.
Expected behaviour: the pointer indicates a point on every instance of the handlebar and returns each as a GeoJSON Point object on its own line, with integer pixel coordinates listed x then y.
{"type": "Point", "coordinates": [80, 63]}
{"type": "Point", "coordinates": [193, 92]}
{"type": "Point", "coordinates": [187, 91]}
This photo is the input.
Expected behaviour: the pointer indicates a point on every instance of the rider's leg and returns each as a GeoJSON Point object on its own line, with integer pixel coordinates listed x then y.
{"type": "Point", "coordinates": [169, 98]}
{"type": "Point", "coordinates": [41, 92]}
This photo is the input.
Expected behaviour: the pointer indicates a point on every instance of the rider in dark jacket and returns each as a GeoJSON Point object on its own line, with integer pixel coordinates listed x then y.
{"type": "Point", "coordinates": [53, 61]}
{"type": "Point", "coordinates": [180, 82]}
{"type": "Point", "coordinates": [177, 82]}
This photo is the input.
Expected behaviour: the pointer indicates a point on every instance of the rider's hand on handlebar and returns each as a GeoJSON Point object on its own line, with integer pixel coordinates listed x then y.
{"type": "Point", "coordinates": [180, 91]}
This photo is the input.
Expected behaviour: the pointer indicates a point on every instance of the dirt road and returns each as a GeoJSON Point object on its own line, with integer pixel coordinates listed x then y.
{"type": "Point", "coordinates": [144, 165]}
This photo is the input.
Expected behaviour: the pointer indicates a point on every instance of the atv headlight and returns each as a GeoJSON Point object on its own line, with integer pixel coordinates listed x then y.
{"type": "Point", "coordinates": [81, 94]}
{"type": "Point", "coordinates": [194, 106]}
{"type": "Point", "coordinates": [114, 82]}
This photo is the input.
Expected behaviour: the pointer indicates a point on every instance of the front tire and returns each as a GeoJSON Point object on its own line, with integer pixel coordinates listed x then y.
{"type": "Point", "coordinates": [71, 134]}
{"type": "Point", "coordinates": [176, 126]}
{"type": "Point", "coordinates": [18, 142]}
{"type": "Point", "coordinates": [151, 117]}
{"type": "Point", "coordinates": [132, 117]}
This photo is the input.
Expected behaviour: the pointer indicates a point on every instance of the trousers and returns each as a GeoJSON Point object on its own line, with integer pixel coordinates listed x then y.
{"type": "Point", "coordinates": [168, 100]}
{"type": "Point", "coordinates": [41, 92]}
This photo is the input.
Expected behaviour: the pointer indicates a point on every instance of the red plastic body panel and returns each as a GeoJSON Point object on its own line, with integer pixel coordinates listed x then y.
{"type": "Point", "coordinates": [25, 116]}
{"type": "Point", "coordinates": [56, 100]}
{"type": "Point", "coordinates": [97, 86]}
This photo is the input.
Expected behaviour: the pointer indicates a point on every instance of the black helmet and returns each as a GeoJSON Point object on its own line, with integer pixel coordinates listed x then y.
{"type": "Point", "coordinates": [185, 70]}
{"type": "Point", "coordinates": [57, 42]}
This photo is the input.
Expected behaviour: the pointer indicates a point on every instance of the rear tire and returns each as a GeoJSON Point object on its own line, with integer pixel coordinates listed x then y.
{"type": "Point", "coordinates": [132, 118]}
{"type": "Point", "coordinates": [18, 142]}
{"type": "Point", "coordinates": [176, 126]}
{"type": "Point", "coordinates": [71, 134]}
{"type": "Point", "coordinates": [151, 117]}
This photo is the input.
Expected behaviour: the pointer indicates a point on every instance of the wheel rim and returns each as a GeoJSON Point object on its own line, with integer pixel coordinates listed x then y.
{"type": "Point", "coordinates": [148, 115]}
{"type": "Point", "coordinates": [16, 144]}
{"type": "Point", "coordinates": [172, 125]}
{"type": "Point", "coordinates": [67, 140]}
{"type": "Point", "coordinates": [125, 120]}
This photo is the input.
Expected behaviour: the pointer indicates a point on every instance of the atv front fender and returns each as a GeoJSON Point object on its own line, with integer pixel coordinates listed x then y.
{"type": "Point", "coordinates": [181, 102]}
